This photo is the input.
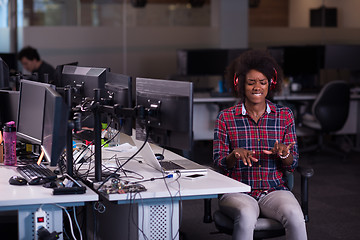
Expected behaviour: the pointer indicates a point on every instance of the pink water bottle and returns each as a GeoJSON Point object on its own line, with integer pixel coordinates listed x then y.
{"type": "Point", "coordinates": [9, 136]}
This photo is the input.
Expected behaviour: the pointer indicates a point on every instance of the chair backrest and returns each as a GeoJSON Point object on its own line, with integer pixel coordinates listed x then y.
{"type": "Point", "coordinates": [331, 107]}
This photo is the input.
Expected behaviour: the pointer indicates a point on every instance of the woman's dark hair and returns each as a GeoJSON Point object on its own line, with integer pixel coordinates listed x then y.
{"type": "Point", "coordinates": [253, 60]}
{"type": "Point", "coordinates": [29, 53]}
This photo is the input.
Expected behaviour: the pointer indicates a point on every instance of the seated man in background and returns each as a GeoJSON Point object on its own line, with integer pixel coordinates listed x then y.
{"type": "Point", "coordinates": [30, 60]}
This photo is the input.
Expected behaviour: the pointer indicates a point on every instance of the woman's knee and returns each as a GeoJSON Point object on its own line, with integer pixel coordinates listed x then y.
{"type": "Point", "coordinates": [292, 214]}
{"type": "Point", "coordinates": [246, 217]}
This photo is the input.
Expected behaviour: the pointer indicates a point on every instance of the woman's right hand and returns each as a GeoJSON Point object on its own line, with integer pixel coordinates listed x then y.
{"type": "Point", "coordinates": [240, 154]}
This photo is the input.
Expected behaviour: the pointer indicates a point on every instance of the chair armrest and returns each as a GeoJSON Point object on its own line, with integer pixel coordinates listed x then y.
{"type": "Point", "coordinates": [305, 173]}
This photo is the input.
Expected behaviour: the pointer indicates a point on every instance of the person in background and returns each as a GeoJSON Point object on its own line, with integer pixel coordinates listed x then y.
{"type": "Point", "coordinates": [31, 61]}
{"type": "Point", "coordinates": [254, 143]}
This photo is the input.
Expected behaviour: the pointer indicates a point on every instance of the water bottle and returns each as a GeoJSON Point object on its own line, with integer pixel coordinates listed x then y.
{"type": "Point", "coordinates": [9, 135]}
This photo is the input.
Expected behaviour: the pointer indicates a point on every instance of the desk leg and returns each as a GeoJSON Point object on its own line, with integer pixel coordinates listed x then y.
{"type": "Point", "coordinates": [158, 219]}
{"type": "Point", "coordinates": [26, 221]}
{"type": "Point", "coordinates": [357, 143]}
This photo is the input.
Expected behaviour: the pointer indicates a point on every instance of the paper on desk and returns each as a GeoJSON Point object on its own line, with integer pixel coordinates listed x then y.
{"type": "Point", "coordinates": [123, 148]}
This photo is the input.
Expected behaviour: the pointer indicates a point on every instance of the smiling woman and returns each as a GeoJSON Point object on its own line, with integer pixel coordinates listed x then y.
{"type": "Point", "coordinates": [254, 143]}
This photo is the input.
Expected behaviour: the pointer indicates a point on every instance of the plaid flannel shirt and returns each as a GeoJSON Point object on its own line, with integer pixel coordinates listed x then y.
{"type": "Point", "coordinates": [234, 128]}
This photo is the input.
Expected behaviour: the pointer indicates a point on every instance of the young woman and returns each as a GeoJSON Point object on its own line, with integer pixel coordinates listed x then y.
{"type": "Point", "coordinates": [254, 143]}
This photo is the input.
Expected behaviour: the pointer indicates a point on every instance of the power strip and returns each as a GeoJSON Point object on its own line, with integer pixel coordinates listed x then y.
{"type": "Point", "coordinates": [40, 220]}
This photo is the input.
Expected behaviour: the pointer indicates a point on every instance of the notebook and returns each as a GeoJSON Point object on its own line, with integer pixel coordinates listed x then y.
{"type": "Point", "coordinates": [166, 166]}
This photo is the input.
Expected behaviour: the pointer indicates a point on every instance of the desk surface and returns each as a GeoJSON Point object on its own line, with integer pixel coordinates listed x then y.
{"type": "Point", "coordinates": [13, 195]}
{"type": "Point", "coordinates": [211, 184]}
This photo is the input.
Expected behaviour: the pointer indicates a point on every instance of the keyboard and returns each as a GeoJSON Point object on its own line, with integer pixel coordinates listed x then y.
{"type": "Point", "coordinates": [168, 165]}
{"type": "Point", "coordinates": [36, 174]}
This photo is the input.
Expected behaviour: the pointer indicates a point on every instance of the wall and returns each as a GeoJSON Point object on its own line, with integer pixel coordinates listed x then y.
{"type": "Point", "coordinates": [4, 42]}
{"type": "Point", "coordinates": [270, 13]}
{"type": "Point", "coordinates": [263, 37]}
{"type": "Point", "coordinates": [348, 12]}
{"type": "Point", "coordinates": [298, 32]}
{"type": "Point", "coordinates": [151, 51]}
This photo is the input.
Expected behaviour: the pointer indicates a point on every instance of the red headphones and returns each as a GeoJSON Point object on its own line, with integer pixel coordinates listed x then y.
{"type": "Point", "coordinates": [236, 82]}
{"type": "Point", "coordinates": [273, 81]}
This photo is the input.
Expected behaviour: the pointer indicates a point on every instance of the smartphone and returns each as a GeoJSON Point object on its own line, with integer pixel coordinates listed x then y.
{"type": "Point", "coordinates": [193, 176]}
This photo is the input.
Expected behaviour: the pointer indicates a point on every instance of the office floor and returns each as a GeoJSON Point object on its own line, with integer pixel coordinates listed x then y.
{"type": "Point", "coordinates": [334, 204]}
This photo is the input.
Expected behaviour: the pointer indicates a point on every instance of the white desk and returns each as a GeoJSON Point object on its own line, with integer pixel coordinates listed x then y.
{"type": "Point", "coordinates": [156, 208]}
{"type": "Point", "coordinates": [206, 109]}
{"type": "Point", "coordinates": [27, 199]}
{"type": "Point", "coordinates": [296, 97]}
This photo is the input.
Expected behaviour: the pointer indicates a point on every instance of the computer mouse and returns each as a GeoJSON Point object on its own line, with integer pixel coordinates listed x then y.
{"type": "Point", "coordinates": [17, 180]}
{"type": "Point", "coordinates": [159, 156]}
{"type": "Point", "coordinates": [38, 181]}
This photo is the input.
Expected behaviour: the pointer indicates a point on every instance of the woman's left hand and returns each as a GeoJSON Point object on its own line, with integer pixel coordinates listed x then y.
{"type": "Point", "coordinates": [280, 149]}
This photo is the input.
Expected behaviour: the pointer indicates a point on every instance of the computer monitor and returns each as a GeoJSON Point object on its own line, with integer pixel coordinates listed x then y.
{"type": "Point", "coordinates": [31, 111]}
{"type": "Point", "coordinates": [278, 54]}
{"type": "Point", "coordinates": [87, 77]}
{"type": "Point", "coordinates": [205, 62]}
{"type": "Point", "coordinates": [9, 106]}
{"type": "Point", "coordinates": [119, 88]}
{"type": "Point", "coordinates": [303, 60]}
{"type": "Point", "coordinates": [11, 61]}
{"type": "Point", "coordinates": [169, 117]}
{"type": "Point", "coordinates": [4, 75]}
{"type": "Point", "coordinates": [58, 73]}
{"type": "Point", "coordinates": [56, 114]}
{"type": "Point", "coordinates": [342, 57]}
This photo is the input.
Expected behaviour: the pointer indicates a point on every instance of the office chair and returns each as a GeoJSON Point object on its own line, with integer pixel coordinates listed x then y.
{"type": "Point", "coordinates": [265, 227]}
{"type": "Point", "coordinates": [329, 114]}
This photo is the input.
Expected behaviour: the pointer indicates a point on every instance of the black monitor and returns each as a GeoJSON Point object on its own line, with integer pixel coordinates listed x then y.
{"type": "Point", "coordinates": [169, 118]}
{"type": "Point", "coordinates": [342, 57]}
{"type": "Point", "coordinates": [56, 114]}
{"type": "Point", "coordinates": [4, 75]}
{"type": "Point", "coordinates": [119, 88]}
{"type": "Point", "coordinates": [9, 106]}
{"type": "Point", "coordinates": [11, 61]}
{"type": "Point", "coordinates": [303, 60]}
{"type": "Point", "coordinates": [87, 77]}
{"type": "Point", "coordinates": [278, 54]}
{"type": "Point", "coordinates": [205, 62]}
{"type": "Point", "coordinates": [31, 111]}
{"type": "Point", "coordinates": [58, 73]}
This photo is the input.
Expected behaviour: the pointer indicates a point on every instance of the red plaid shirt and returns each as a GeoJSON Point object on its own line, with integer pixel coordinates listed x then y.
{"type": "Point", "coordinates": [234, 128]}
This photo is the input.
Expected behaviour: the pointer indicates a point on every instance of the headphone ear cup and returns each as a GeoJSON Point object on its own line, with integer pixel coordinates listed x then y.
{"type": "Point", "coordinates": [236, 82]}
{"type": "Point", "coordinates": [273, 80]}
